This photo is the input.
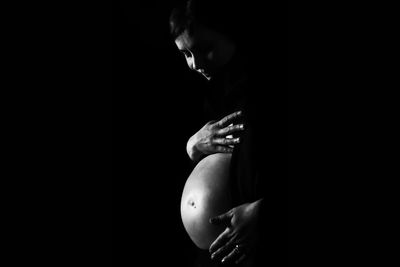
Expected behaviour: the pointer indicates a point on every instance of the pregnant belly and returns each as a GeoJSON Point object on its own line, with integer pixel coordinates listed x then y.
{"type": "Point", "coordinates": [205, 195]}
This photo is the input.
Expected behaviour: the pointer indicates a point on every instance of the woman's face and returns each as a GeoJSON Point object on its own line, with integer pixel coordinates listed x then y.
{"type": "Point", "coordinates": [206, 51]}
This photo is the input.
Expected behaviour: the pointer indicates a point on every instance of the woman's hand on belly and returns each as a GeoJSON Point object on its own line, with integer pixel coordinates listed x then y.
{"type": "Point", "coordinates": [214, 137]}
{"type": "Point", "coordinates": [239, 238]}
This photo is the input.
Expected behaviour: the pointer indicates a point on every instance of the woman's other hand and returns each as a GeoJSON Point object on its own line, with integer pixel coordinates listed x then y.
{"type": "Point", "coordinates": [214, 137]}
{"type": "Point", "coordinates": [239, 239]}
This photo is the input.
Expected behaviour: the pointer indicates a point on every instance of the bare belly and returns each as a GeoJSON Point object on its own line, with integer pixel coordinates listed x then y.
{"type": "Point", "coordinates": [205, 195]}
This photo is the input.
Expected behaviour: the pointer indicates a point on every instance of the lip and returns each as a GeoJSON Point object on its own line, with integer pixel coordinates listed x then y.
{"type": "Point", "coordinates": [205, 74]}
{"type": "Point", "coordinates": [202, 71]}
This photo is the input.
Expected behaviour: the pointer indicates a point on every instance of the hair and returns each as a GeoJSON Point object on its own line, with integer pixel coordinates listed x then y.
{"type": "Point", "coordinates": [222, 16]}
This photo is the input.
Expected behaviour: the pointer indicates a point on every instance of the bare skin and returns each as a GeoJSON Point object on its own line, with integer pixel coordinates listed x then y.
{"type": "Point", "coordinates": [206, 195]}
{"type": "Point", "coordinates": [237, 241]}
{"type": "Point", "coordinates": [207, 52]}
{"type": "Point", "coordinates": [214, 138]}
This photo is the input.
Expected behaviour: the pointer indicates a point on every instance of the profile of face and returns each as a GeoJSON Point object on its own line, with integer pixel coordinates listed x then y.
{"type": "Point", "coordinates": [206, 51]}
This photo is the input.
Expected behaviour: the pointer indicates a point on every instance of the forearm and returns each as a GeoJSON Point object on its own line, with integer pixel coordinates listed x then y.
{"type": "Point", "coordinates": [257, 204]}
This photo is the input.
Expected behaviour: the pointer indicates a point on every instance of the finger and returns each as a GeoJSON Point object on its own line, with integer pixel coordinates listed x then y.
{"type": "Point", "coordinates": [228, 246]}
{"type": "Point", "coordinates": [221, 239]}
{"type": "Point", "coordinates": [226, 141]}
{"type": "Point", "coordinates": [226, 120]}
{"type": "Point", "coordinates": [224, 218]}
{"type": "Point", "coordinates": [211, 122]}
{"type": "Point", "coordinates": [231, 256]}
{"type": "Point", "coordinates": [230, 129]}
{"type": "Point", "coordinates": [223, 149]}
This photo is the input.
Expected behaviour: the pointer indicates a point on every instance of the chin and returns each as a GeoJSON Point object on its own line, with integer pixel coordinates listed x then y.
{"type": "Point", "coordinates": [207, 77]}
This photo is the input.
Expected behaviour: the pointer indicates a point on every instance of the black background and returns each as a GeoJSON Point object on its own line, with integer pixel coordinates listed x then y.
{"type": "Point", "coordinates": [159, 102]}
{"type": "Point", "coordinates": [57, 128]}
{"type": "Point", "coordinates": [96, 118]}
{"type": "Point", "coordinates": [158, 99]}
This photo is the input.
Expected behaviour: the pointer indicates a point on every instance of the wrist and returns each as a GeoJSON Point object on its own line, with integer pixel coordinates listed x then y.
{"type": "Point", "coordinates": [191, 149]}
{"type": "Point", "coordinates": [256, 204]}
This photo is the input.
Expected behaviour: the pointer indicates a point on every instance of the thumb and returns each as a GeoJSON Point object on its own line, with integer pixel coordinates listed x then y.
{"type": "Point", "coordinates": [224, 218]}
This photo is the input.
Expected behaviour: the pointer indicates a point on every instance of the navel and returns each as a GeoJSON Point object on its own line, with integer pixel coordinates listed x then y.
{"type": "Point", "coordinates": [191, 203]}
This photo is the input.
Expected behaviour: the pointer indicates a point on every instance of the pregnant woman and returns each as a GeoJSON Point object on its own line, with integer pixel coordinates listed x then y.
{"type": "Point", "coordinates": [222, 201]}
{"type": "Point", "coordinates": [206, 193]}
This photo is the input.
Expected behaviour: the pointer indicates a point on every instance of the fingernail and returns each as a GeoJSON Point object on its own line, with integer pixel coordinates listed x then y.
{"type": "Point", "coordinates": [213, 256]}
{"type": "Point", "coordinates": [237, 139]}
{"type": "Point", "coordinates": [241, 126]}
{"type": "Point", "coordinates": [222, 261]}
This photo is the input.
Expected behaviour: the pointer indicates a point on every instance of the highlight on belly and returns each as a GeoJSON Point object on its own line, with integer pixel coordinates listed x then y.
{"type": "Point", "coordinates": [205, 195]}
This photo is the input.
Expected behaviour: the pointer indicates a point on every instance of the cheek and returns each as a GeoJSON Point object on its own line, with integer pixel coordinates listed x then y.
{"type": "Point", "coordinates": [216, 58]}
{"type": "Point", "coordinates": [211, 57]}
{"type": "Point", "coordinates": [189, 62]}
{"type": "Point", "coordinates": [212, 60]}
{"type": "Point", "coordinates": [219, 58]}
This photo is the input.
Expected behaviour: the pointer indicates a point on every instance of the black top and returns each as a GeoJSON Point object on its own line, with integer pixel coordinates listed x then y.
{"type": "Point", "coordinates": [233, 90]}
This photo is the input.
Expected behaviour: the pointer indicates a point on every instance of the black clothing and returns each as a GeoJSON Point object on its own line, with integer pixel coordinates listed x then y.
{"type": "Point", "coordinates": [232, 91]}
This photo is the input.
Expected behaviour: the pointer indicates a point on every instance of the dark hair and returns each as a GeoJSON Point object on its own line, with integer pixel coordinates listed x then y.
{"type": "Point", "coordinates": [222, 16]}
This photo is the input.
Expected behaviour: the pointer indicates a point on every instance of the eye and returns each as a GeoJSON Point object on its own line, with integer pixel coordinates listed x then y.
{"type": "Point", "coordinates": [185, 53]}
